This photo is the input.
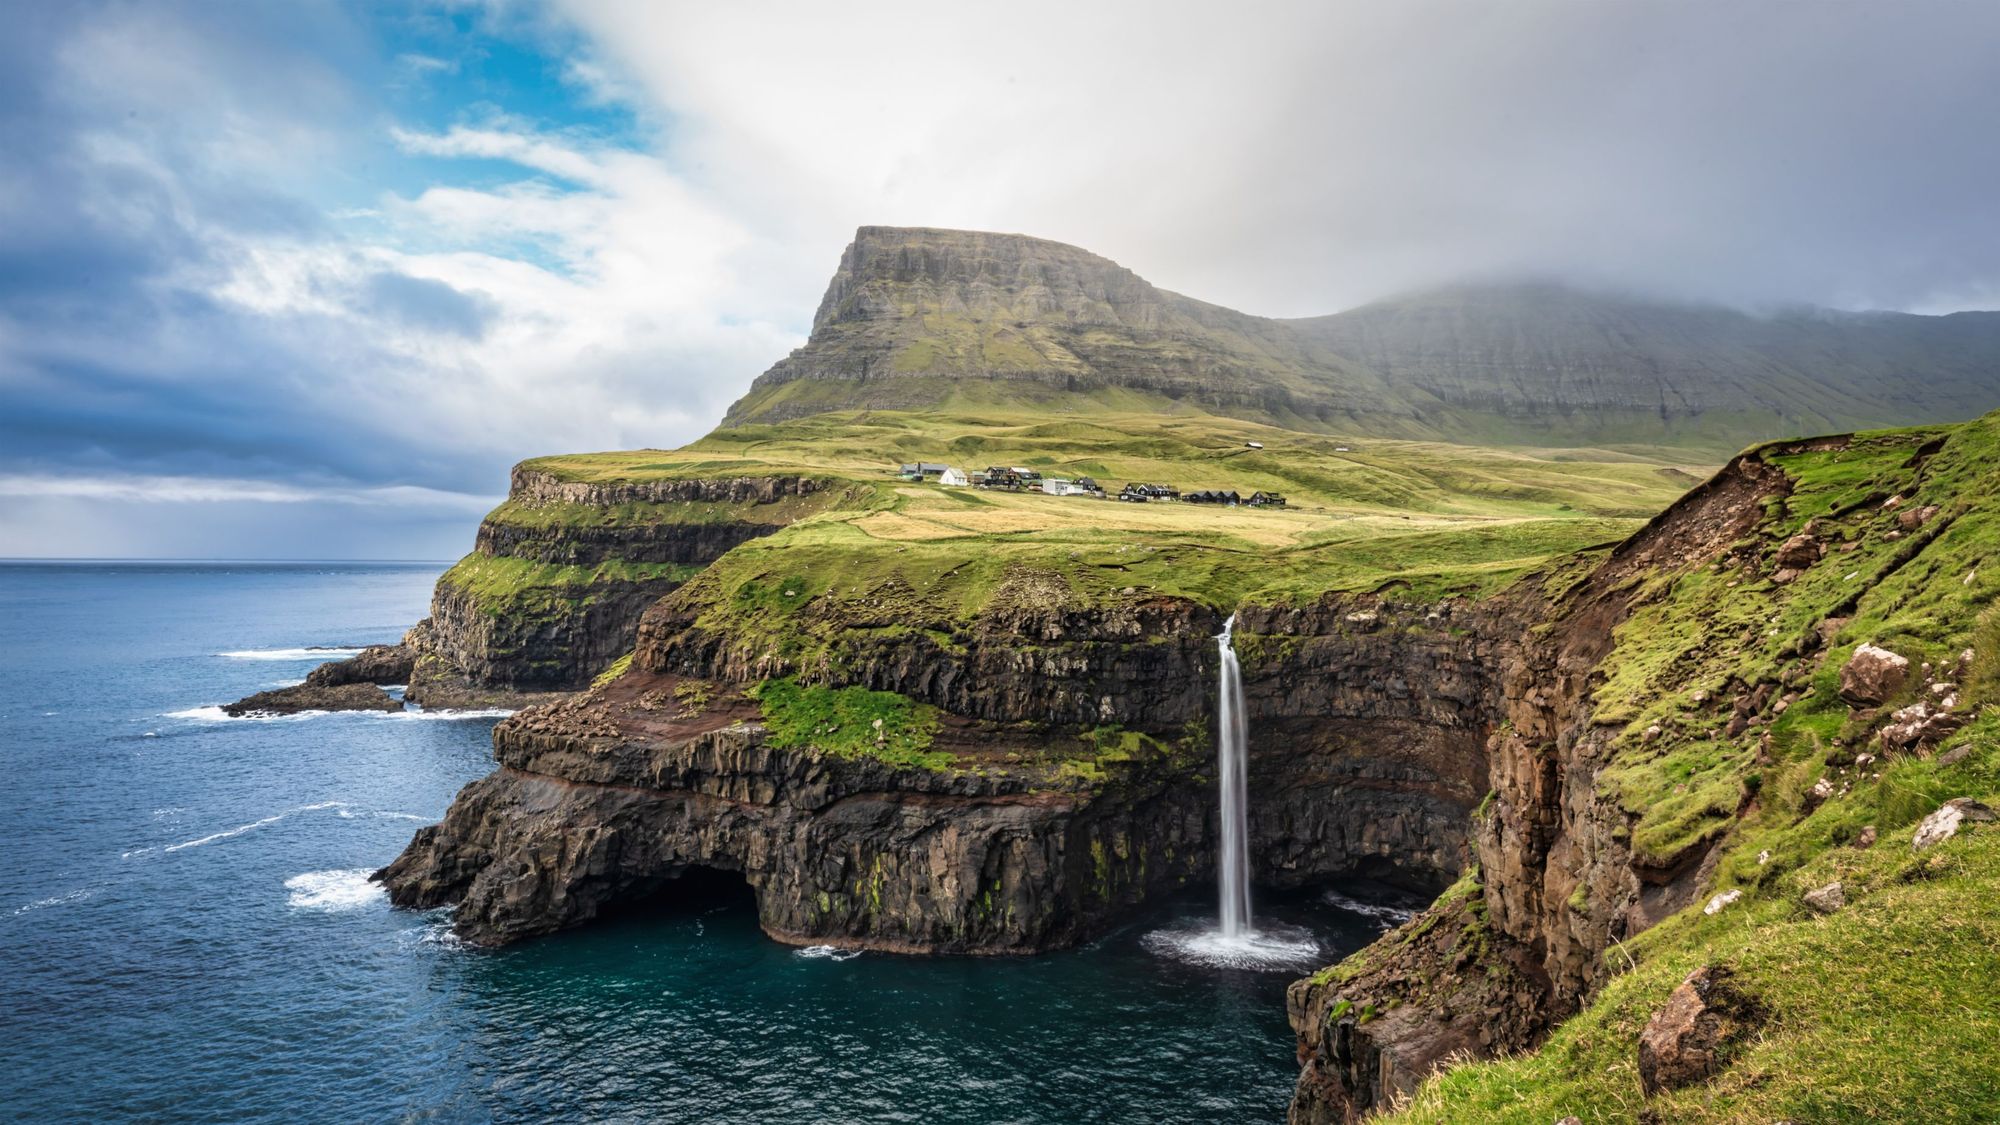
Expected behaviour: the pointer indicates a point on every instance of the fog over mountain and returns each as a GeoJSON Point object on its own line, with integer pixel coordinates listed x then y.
{"type": "Point", "coordinates": [926, 319]}
{"type": "Point", "coordinates": [304, 279]}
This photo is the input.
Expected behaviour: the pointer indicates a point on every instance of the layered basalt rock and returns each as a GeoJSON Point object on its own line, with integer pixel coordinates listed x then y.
{"type": "Point", "coordinates": [585, 559]}
{"type": "Point", "coordinates": [1557, 879]}
{"type": "Point", "coordinates": [314, 697]}
{"type": "Point", "coordinates": [609, 796]}
{"type": "Point", "coordinates": [353, 684]}
{"type": "Point", "coordinates": [601, 801]}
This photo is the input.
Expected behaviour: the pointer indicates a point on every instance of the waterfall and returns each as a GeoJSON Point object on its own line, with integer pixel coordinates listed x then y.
{"type": "Point", "coordinates": [1233, 864]}
{"type": "Point", "coordinates": [1235, 944]}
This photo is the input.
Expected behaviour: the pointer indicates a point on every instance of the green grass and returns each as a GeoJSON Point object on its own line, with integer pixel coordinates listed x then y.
{"type": "Point", "coordinates": [1724, 628]}
{"type": "Point", "coordinates": [499, 584]}
{"type": "Point", "coordinates": [850, 722]}
{"type": "Point", "coordinates": [1882, 1012]}
{"type": "Point", "coordinates": [1136, 442]}
{"type": "Point", "coordinates": [616, 669]}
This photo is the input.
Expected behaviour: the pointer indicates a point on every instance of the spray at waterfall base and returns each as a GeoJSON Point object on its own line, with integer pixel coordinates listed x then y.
{"type": "Point", "coordinates": [1235, 941]}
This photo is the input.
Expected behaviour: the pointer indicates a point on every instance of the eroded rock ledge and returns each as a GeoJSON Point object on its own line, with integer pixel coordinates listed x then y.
{"type": "Point", "coordinates": [1367, 757]}
{"type": "Point", "coordinates": [1518, 946]}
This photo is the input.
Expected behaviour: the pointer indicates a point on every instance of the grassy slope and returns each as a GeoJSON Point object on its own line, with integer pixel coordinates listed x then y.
{"type": "Point", "coordinates": [1885, 1010]}
{"type": "Point", "coordinates": [1439, 517]}
{"type": "Point", "coordinates": [896, 557]}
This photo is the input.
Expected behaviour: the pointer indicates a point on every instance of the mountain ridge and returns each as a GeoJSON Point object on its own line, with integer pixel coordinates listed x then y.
{"type": "Point", "coordinates": [918, 318]}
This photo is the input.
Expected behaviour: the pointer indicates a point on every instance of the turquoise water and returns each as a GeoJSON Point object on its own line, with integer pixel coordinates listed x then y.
{"type": "Point", "coordinates": [185, 933]}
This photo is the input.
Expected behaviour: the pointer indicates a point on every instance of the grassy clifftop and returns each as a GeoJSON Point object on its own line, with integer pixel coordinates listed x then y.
{"type": "Point", "coordinates": [1731, 745]}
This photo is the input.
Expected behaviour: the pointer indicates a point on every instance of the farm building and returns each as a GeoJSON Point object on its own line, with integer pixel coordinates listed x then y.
{"type": "Point", "coordinates": [1210, 496]}
{"type": "Point", "coordinates": [953, 478]}
{"type": "Point", "coordinates": [1063, 486]}
{"type": "Point", "coordinates": [923, 470]}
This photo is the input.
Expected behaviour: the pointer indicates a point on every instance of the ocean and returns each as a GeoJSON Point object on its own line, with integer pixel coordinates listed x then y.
{"type": "Point", "coordinates": [187, 933]}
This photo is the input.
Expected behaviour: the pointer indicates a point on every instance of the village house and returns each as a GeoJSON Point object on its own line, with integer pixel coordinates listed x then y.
{"type": "Point", "coordinates": [1262, 499]}
{"type": "Point", "coordinates": [953, 478]}
{"type": "Point", "coordinates": [1212, 496]}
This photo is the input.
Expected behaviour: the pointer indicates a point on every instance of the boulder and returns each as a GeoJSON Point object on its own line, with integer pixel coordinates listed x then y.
{"type": "Point", "coordinates": [1798, 552]}
{"type": "Point", "coordinates": [1818, 795]}
{"type": "Point", "coordinates": [1918, 725]}
{"type": "Point", "coordinates": [1866, 839]}
{"type": "Point", "coordinates": [1910, 519]}
{"type": "Point", "coordinates": [1943, 824]}
{"type": "Point", "coordinates": [1873, 675]}
{"type": "Point", "coordinates": [1685, 1041]}
{"type": "Point", "coordinates": [1827, 899]}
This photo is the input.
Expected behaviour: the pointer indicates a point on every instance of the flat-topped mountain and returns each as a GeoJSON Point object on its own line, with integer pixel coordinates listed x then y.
{"type": "Point", "coordinates": [918, 318]}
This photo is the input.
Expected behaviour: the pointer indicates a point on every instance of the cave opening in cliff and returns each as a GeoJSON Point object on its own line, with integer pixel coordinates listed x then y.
{"type": "Point", "coordinates": [695, 890]}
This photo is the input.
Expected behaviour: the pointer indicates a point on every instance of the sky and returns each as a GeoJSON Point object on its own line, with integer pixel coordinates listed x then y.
{"type": "Point", "coordinates": [303, 280]}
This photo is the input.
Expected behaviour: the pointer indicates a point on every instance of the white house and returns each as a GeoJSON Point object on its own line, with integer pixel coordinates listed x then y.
{"type": "Point", "coordinates": [1055, 486]}
{"type": "Point", "coordinates": [953, 478]}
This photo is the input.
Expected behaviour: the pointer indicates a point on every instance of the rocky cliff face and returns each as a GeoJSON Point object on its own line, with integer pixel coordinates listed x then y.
{"type": "Point", "coordinates": [917, 317]}
{"type": "Point", "coordinates": [1367, 757]}
{"type": "Point", "coordinates": [914, 316]}
{"type": "Point", "coordinates": [561, 573]}
{"type": "Point", "coordinates": [1590, 709]}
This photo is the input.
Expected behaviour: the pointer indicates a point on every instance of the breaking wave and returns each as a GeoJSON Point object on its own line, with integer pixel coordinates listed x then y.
{"type": "Point", "coordinates": [333, 890]}
{"type": "Point", "coordinates": [250, 827]}
{"type": "Point", "coordinates": [311, 652]}
{"type": "Point", "coordinates": [53, 900]}
{"type": "Point", "coordinates": [215, 714]}
{"type": "Point", "coordinates": [828, 953]}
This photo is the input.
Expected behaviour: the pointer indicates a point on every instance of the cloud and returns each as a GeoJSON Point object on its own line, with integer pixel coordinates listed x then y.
{"type": "Point", "coordinates": [212, 295]}
{"type": "Point", "coordinates": [1296, 158]}
{"type": "Point", "coordinates": [317, 252]}
{"type": "Point", "coordinates": [221, 490]}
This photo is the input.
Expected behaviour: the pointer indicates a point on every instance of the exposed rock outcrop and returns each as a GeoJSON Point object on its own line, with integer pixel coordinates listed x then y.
{"type": "Point", "coordinates": [376, 664]}
{"type": "Point", "coordinates": [1552, 847]}
{"type": "Point", "coordinates": [573, 565]}
{"type": "Point", "coordinates": [1685, 1041]}
{"type": "Point", "coordinates": [1366, 759]}
{"type": "Point", "coordinates": [1945, 823]}
{"type": "Point", "coordinates": [315, 697]}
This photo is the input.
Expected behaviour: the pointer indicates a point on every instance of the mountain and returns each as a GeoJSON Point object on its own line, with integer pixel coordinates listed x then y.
{"type": "Point", "coordinates": [918, 318]}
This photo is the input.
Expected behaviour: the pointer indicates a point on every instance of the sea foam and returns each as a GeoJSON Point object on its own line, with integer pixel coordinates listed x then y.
{"type": "Point", "coordinates": [215, 714]}
{"type": "Point", "coordinates": [347, 889]}
{"type": "Point", "coordinates": [1386, 915]}
{"type": "Point", "coordinates": [828, 952]}
{"type": "Point", "coordinates": [330, 652]}
{"type": "Point", "coordinates": [250, 827]}
{"type": "Point", "coordinates": [53, 900]}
